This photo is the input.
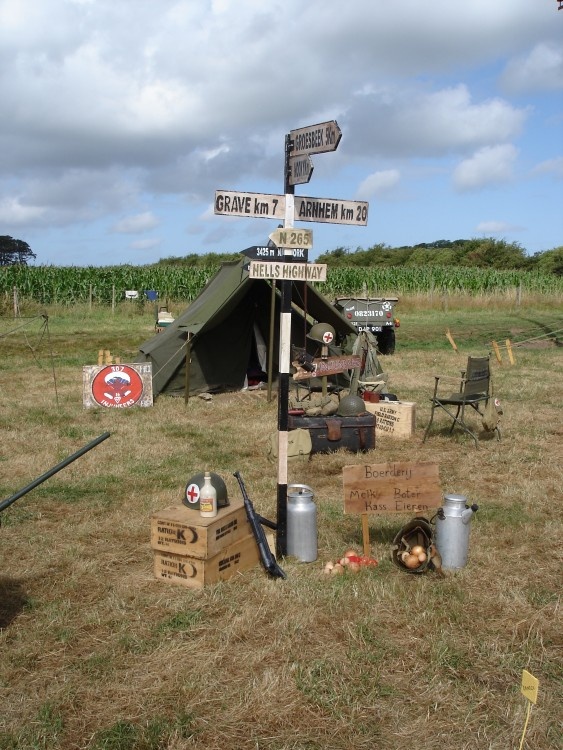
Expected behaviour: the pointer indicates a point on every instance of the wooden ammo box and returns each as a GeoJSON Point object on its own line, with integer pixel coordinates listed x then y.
{"type": "Point", "coordinates": [329, 434]}
{"type": "Point", "coordinates": [194, 572]}
{"type": "Point", "coordinates": [394, 418]}
{"type": "Point", "coordinates": [183, 531]}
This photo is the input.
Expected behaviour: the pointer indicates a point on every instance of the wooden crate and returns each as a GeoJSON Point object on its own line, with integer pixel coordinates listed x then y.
{"type": "Point", "coordinates": [183, 531]}
{"type": "Point", "coordinates": [394, 418]}
{"type": "Point", "coordinates": [193, 572]}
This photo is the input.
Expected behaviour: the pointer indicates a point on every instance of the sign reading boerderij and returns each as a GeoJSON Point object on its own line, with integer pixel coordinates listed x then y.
{"type": "Point", "coordinates": [391, 488]}
{"type": "Point", "coordinates": [287, 271]}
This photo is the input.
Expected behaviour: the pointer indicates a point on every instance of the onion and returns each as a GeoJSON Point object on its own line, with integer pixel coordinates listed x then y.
{"type": "Point", "coordinates": [328, 567]}
{"type": "Point", "coordinates": [337, 570]}
{"type": "Point", "coordinates": [422, 557]}
{"type": "Point", "coordinates": [354, 567]}
{"type": "Point", "coordinates": [417, 549]}
{"type": "Point", "coordinates": [344, 561]}
{"type": "Point", "coordinates": [351, 552]}
{"type": "Point", "coordinates": [411, 562]}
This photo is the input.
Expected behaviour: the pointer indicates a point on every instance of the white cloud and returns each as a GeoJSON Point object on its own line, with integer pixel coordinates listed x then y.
{"type": "Point", "coordinates": [496, 227]}
{"type": "Point", "coordinates": [14, 212]}
{"type": "Point", "coordinates": [550, 167]}
{"type": "Point", "coordinates": [136, 224]}
{"type": "Point", "coordinates": [539, 70]}
{"type": "Point", "coordinates": [378, 184]}
{"type": "Point", "coordinates": [491, 165]}
{"type": "Point", "coordinates": [417, 122]}
{"type": "Point", "coordinates": [147, 244]}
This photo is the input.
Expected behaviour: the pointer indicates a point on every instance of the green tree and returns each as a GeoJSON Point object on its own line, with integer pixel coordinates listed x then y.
{"type": "Point", "coordinates": [14, 252]}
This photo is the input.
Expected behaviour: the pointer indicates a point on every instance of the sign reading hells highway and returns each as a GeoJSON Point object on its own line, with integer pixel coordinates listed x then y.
{"type": "Point", "coordinates": [287, 271]}
{"type": "Point", "coordinates": [264, 206]}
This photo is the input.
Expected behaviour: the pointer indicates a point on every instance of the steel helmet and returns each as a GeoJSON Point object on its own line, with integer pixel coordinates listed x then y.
{"type": "Point", "coordinates": [324, 333]}
{"type": "Point", "coordinates": [194, 485]}
{"type": "Point", "coordinates": [351, 406]}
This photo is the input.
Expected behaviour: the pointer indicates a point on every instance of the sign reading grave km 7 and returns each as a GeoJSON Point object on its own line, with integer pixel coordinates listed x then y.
{"type": "Point", "coordinates": [259, 205]}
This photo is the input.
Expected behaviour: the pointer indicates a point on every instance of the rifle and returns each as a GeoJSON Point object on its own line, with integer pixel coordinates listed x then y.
{"type": "Point", "coordinates": [266, 557]}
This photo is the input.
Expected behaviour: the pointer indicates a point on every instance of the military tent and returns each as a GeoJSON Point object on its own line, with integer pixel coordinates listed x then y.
{"type": "Point", "coordinates": [226, 330]}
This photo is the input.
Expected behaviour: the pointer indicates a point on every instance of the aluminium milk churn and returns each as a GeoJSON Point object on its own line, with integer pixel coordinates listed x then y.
{"type": "Point", "coordinates": [452, 530]}
{"type": "Point", "coordinates": [301, 523]}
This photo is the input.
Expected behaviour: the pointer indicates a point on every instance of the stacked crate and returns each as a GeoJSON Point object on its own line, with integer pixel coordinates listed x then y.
{"type": "Point", "coordinates": [193, 551]}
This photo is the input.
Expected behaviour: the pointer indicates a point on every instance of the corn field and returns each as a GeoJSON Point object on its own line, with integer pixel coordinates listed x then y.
{"type": "Point", "coordinates": [70, 285]}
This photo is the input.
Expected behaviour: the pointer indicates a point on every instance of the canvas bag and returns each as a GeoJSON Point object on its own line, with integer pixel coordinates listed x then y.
{"type": "Point", "coordinates": [299, 445]}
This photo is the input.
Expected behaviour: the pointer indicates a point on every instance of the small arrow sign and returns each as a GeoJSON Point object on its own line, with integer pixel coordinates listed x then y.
{"type": "Point", "coordinates": [315, 139]}
{"type": "Point", "coordinates": [292, 238]}
{"type": "Point", "coordinates": [300, 169]}
{"type": "Point", "coordinates": [271, 252]}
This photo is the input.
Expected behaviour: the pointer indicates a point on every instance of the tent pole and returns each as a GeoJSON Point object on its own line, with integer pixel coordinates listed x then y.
{"type": "Point", "coordinates": [271, 339]}
{"type": "Point", "coordinates": [188, 360]}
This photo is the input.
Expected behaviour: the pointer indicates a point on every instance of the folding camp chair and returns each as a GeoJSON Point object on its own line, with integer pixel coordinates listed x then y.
{"type": "Point", "coordinates": [474, 389]}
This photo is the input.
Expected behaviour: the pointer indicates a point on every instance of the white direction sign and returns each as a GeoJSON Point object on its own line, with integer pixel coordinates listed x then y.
{"type": "Point", "coordinates": [257, 205]}
{"type": "Point", "coordinates": [331, 210]}
{"type": "Point", "coordinates": [300, 169]}
{"type": "Point", "coordinates": [287, 271]}
{"type": "Point", "coordinates": [292, 238]}
{"type": "Point", "coordinates": [315, 139]}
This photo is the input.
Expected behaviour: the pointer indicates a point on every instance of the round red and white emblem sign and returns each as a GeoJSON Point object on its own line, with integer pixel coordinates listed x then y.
{"type": "Point", "coordinates": [192, 493]}
{"type": "Point", "coordinates": [327, 337]}
{"type": "Point", "coordinates": [117, 386]}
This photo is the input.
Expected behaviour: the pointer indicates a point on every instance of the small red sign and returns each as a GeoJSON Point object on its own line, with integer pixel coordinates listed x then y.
{"type": "Point", "coordinates": [117, 386]}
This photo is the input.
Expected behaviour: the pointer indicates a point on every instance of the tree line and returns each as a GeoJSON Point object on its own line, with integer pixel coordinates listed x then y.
{"type": "Point", "coordinates": [485, 252]}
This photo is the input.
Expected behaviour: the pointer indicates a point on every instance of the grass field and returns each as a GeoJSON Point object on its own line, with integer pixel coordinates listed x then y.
{"type": "Point", "coordinates": [99, 655]}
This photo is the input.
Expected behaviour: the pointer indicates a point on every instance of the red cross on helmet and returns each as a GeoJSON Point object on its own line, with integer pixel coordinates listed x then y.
{"type": "Point", "coordinates": [194, 485]}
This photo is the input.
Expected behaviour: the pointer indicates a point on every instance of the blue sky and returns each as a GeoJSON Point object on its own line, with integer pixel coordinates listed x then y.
{"type": "Point", "coordinates": [122, 119]}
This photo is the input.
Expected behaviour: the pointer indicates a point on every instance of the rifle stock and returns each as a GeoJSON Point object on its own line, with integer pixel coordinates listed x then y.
{"type": "Point", "coordinates": [266, 556]}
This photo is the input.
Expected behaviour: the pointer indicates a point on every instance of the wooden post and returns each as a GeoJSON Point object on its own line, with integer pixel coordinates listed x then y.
{"type": "Point", "coordinates": [451, 340]}
{"type": "Point", "coordinates": [90, 298]}
{"type": "Point", "coordinates": [188, 362]}
{"type": "Point", "coordinates": [113, 299]}
{"type": "Point", "coordinates": [365, 534]}
{"type": "Point", "coordinates": [271, 338]}
{"type": "Point", "coordinates": [100, 356]}
{"type": "Point", "coordinates": [497, 352]}
{"type": "Point", "coordinates": [16, 305]}
{"type": "Point", "coordinates": [509, 350]}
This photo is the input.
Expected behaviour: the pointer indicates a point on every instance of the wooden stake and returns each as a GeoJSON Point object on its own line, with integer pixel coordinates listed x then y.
{"type": "Point", "coordinates": [497, 352]}
{"type": "Point", "coordinates": [107, 356]}
{"type": "Point", "coordinates": [100, 356]}
{"type": "Point", "coordinates": [365, 534]}
{"type": "Point", "coordinates": [451, 340]}
{"type": "Point", "coordinates": [509, 350]}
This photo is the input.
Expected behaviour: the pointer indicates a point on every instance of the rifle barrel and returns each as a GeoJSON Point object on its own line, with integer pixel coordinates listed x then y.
{"type": "Point", "coordinates": [6, 503]}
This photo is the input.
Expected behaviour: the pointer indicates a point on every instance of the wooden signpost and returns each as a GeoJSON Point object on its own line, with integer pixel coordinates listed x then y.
{"type": "Point", "coordinates": [298, 168]}
{"type": "Point", "coordinates": [398, 487]}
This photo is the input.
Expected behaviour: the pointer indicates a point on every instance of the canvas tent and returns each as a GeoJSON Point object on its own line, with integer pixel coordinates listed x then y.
{"type": "Point", "coordinates": [226, 330]}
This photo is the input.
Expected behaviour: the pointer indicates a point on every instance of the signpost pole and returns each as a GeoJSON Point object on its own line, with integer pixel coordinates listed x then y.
{"type": "Point", "coordinates": [285, 359]}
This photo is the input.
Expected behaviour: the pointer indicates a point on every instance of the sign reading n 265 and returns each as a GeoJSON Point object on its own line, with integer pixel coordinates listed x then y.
{"type": "Point", "coordinates": [292, 238]}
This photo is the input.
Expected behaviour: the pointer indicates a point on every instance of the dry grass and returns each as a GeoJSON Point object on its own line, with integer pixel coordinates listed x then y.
{"type": "Point", "coordinates": [98, 654]}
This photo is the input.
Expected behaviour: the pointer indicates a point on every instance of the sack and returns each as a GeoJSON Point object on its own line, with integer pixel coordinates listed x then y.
{"type": "Point", "coordinates": [299, 445]}
{"type": "Point", "coordinates": [491, 416]}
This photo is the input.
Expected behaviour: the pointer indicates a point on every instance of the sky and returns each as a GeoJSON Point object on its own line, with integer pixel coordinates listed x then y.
{"type": "Point", "coordinates": [120, 119]}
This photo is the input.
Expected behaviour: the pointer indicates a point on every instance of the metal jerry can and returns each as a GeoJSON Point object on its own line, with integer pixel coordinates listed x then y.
{"type": "Point", "coordinates": [452, 530]}
{"type": "Point", "coordinates": [301, 523]}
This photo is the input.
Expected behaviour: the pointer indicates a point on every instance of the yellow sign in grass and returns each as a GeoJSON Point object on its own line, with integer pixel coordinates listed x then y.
{"type": "Point", "coordinates": [530, 686]}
